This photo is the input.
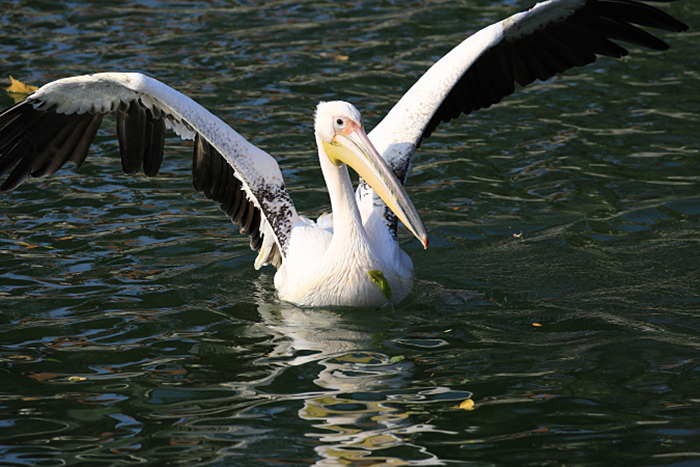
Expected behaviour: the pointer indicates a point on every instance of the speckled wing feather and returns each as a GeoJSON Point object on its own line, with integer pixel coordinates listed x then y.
{"type": "Point", "coordinates": [59, 121]}
{"type": "Point", "coordinates": [549, 38]}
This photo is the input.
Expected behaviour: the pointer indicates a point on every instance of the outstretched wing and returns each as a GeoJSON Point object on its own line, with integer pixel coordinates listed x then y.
{"type": "Point", "coordinates": [58, 122]}
{"type": "Point", "coordinates": [549, 38]}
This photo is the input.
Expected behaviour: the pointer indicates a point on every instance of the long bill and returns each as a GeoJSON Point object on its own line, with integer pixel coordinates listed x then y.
{"type": "Point", "coordinates": [354, 148]}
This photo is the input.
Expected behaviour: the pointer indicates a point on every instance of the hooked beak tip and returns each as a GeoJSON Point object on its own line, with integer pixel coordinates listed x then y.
{"type": "Point", "coordinates": [424, 241]}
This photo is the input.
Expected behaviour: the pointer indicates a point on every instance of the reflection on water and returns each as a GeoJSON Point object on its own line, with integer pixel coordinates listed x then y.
{"type": "Point", "coordinates": [358, 404]}
{"type": "Point", "coordinates": [362, 410]}
{"type": "Point", "coordinates": [265, 382]}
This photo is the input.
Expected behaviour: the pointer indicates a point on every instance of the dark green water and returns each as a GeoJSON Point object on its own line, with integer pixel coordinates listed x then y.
{"type": "Point", "coordinates": [134, 329]}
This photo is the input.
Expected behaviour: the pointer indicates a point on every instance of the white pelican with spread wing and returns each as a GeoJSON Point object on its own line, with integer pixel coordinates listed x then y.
{"type": "Point", "coordinates": [352, 258]}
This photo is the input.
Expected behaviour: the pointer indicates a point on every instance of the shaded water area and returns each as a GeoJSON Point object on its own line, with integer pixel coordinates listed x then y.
{"type": "Point", "coordinates": [560, 292]}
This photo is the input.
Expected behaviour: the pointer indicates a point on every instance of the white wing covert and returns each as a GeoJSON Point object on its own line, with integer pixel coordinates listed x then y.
{"type": "Point", "coordinates": [58, 122]}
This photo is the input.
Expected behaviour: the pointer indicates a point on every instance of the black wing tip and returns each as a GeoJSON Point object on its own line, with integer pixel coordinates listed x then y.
{"type": "Point", "coordinates": [9, 185]}
{"type": "Point", "coordinates": [592, 30]}
{"type": "Point", "coordinates": [37, 141]}
{"type": "Point", "coordinates": [216, 179]}
{"type": "Point", "coordinates": [680, 27]}
{"type": "Point", "coordinates": [141, 137]}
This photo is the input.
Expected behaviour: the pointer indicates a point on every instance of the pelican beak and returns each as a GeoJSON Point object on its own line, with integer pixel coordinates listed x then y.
{"type": "Point", "coordinates": [353, 147]}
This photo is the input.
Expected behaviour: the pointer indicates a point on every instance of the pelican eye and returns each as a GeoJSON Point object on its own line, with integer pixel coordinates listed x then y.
{"type": "Point", "coordinates": [339, 122]}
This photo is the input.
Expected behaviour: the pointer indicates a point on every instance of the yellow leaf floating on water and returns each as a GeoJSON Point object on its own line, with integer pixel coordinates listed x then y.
{"type": "Point", "coordinates": [29, 245]}
{"type": "Point", "coordinates": [18, 87]}
{"type": "Point", "coordinates": [466, 405]}
{"type": "Point", "coordinates": [537, 324]}
{"type": "Point", "coordinates": [381, 282]}
{"type": "Point", "coordinates": [338, 57]}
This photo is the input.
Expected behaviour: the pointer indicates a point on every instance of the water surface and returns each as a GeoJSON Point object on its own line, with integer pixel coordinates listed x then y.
{"type": "Point", "coordinates": [561, 290]}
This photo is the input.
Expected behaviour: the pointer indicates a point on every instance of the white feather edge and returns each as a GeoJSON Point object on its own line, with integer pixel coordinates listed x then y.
{"type": "Point", "coordinates": [103, 92]}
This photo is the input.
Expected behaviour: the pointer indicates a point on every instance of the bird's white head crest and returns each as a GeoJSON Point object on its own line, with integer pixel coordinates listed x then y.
{"type": "Point", "coordinates": [334, 116]}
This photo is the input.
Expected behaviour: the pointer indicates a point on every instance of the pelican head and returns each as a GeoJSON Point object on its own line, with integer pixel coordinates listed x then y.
{"type": "Point", "coordinates": [341, 132]}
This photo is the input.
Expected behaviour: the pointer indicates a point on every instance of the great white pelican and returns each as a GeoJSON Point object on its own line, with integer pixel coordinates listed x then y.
{"type": "Point", "coordinates": [351, 258]}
